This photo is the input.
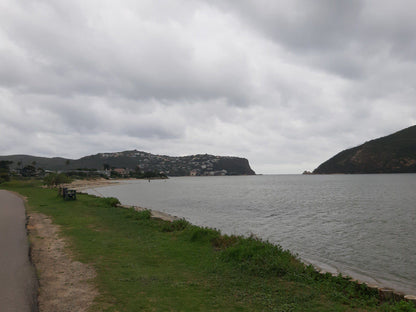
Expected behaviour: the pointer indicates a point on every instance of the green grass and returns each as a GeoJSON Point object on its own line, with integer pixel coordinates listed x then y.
{"type": "Point", "coordinates": [144, 264]}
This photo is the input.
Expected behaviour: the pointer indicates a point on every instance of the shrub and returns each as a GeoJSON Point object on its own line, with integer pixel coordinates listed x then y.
{"type": "Point", "coordinates": [401, 306]}
{"type": "Point", "coordinates": [203, 234]}
{"type": "Point", "coordinates": [144, 214]}
{"type": "Point", "coordinates": [54, 179]}
{"type": "Point", "coordinates": [258, 257]}
{"type": "Point", "coordinates": [5, 170]}
{"type": "Point", "coordinates": [225, 241]}
{"type": "Point", "coordinates": [111, 201]}
{"type": "Point", "coordinates": [177, 225]}
{"type": "Point", "coordinates": [139, 215]}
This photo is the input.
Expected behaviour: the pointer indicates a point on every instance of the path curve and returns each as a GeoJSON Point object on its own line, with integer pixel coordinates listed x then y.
{"type": "Point", "coordinates": [18, 283]}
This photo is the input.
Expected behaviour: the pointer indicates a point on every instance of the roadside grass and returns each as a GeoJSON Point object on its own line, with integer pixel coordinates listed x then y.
{"type": "Point", "coordinates": [146, 264]}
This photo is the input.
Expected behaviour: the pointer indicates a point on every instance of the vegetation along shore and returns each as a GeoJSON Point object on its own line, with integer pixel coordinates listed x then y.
{"type": "Point", "coordinates": [141, 263]}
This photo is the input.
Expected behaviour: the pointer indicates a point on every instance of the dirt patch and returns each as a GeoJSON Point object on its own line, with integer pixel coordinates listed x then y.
{"type": "Point", "coordinates": [81, 185]}
{"type": "Point", "coordinates": [65, 285]}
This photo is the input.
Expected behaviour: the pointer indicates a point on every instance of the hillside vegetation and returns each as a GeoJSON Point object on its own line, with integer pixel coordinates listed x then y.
{"type": "Point", "coordinates": [395, 153]}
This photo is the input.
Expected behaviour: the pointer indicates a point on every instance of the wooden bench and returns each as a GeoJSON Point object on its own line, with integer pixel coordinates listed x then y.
{"type": "Point", "coordinates": [68, 194]}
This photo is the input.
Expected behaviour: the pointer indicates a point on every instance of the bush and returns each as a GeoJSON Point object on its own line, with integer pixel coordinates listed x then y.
{"type": "Point", "coordinates": [139, 215]}
{"type": "Point", "coordinates": [54, 179]}
{"type": "Point", "coordinates": [224, 241]}
{"type": "Point", "coordinates": [203, 234]}
{"type": "Point", "coordinates": [4, 177]}
{"type": "Point", "coordinates": [258, 257]}
{"type": "Point", "coordinates": [5, 170]}
{"type": "Point", "coordinates": [112, 201]}
{"type": "Point", "coordinates": [401, 306]}
{"type": "Point", "coordinates": [177, 225]}
{"type": "Point", "coordinates": [144, 214]}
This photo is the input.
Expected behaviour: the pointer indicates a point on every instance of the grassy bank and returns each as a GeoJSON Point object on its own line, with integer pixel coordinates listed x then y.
{"type": "Point", "coordinates": [152, 265]}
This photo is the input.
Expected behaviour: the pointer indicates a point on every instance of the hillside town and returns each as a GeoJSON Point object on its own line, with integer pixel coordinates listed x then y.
{"type": "Point", "coordinates": [194, 165]}
{"type": "Point", "coordinates": [130, 164]}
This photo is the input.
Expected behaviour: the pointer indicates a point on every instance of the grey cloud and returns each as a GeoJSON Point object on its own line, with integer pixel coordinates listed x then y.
{"type": "Point", "coordinates": [303, 25]}
{"type": "Point", "coordinates": [76, 58]}
{"type": "Point", "coordinates": [337, 36]}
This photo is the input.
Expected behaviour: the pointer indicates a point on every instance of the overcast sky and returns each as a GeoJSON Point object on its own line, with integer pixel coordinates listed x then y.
{"type": "Point", "coordinates": [286, 84]}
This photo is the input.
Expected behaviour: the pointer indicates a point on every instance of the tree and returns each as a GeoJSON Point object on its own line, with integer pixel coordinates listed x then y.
{"type": "Point", "coordinates": [28, 171]}
{"type": "Point", "coordinates": [54, 179]}
{"type": "Point", "coordinates": [5, 170]}
{"type": "Point", "coordinates": [137, 173]}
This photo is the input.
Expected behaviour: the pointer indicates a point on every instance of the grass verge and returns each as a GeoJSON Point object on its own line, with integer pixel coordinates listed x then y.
{"type": "Point", "coordinates": [144, 264]}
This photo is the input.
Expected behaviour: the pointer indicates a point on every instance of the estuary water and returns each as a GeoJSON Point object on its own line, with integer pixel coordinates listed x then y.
{"type": "Point", "coordinates": [360, 225]}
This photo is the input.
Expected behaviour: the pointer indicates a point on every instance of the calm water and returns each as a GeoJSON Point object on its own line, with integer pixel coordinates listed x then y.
{"type": "Point", "coordinates": [361, 225]}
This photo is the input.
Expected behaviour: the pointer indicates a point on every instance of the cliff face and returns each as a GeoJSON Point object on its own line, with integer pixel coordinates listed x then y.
{"type": "Point", "coordinates": [234, 166]}
{"type": "Point", "coordinates": [395, 153]}
{"type": "Point", "coordinates": [202, 164]}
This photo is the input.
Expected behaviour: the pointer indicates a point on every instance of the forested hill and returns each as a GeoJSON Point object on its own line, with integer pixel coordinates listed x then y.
{"type": "Point", "coordinates": [202, 164]}
{"type": "Point", "coordinates": [395, 153]}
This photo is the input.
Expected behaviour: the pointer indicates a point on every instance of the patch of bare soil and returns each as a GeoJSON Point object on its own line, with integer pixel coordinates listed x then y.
{"type": "Point", "coordinates": [80, 185]}
{"type": "Point", "coordinates": [65, 285]}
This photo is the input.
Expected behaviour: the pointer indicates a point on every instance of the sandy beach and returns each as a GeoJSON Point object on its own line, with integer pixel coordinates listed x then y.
{"type": "Point", "coordinates": [81, 185]}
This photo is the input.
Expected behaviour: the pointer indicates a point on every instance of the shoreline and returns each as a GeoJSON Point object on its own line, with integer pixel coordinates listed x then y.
{"type": "Point", "coordinates": [384, 291]}
{"type": "Point", "coordinates": [172, 246]}
{"type": "Point", "coordinates": [80, 185]}
{"type": "Point", "coordinates": [362, 277]}
{"type": "Point", "coordinates": [83, 185]}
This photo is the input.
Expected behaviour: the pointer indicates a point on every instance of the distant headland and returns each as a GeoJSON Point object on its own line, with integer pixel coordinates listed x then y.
{"type": "Point", "coordinates": [128, 161]}
{"type": "Point", "coordinates": [395, 153]}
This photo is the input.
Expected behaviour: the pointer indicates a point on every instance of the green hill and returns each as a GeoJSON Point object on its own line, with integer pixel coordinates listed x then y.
{"type": "Point", "coordinates": [395, 153]}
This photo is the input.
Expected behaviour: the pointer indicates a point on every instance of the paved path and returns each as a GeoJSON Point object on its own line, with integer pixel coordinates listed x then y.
{"type": "Point", "coordinates": [17, 277]}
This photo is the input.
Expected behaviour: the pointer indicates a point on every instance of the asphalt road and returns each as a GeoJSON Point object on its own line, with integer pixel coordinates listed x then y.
{"type": "Point", "coordinates": [18, 286]}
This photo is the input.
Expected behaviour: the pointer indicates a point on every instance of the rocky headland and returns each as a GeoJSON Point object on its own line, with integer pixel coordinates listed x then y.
{"type": "Point", "coordinates": [395, 153]}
